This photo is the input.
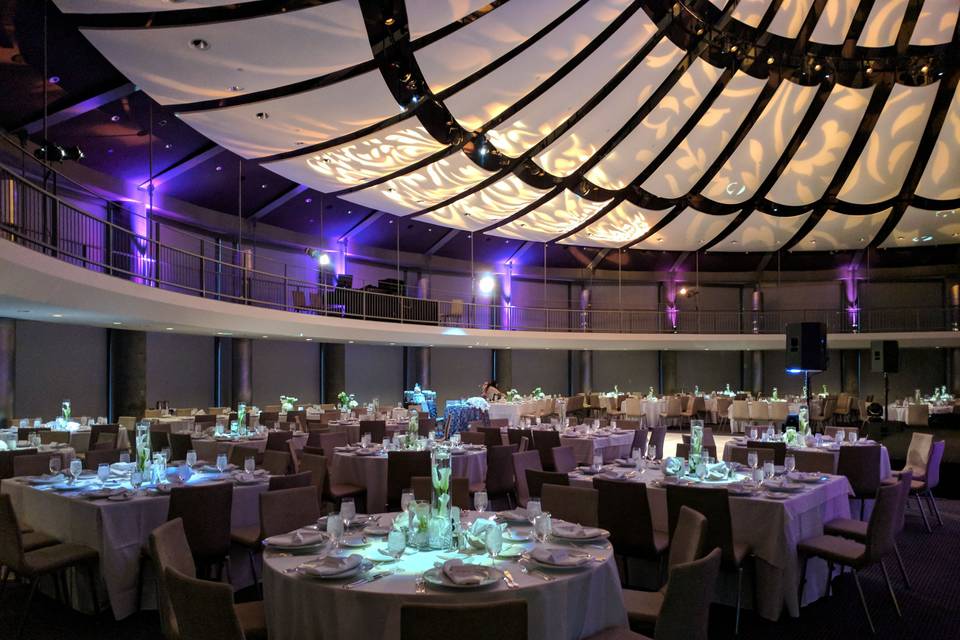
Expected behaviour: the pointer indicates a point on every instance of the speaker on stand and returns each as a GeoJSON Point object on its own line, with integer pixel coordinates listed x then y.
{"type": "Point", "coordinates": [807, 352]}
{"type": "Point", "coordinates": [885, 359]}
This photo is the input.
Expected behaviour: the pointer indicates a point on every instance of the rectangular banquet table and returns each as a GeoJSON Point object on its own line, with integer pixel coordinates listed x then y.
{"type": "Point", "coordinates": [885, 471]}
{"type": "Point", "coordinates": [119, 531]}
{"type": "Point", "coordinates": [772, 528]}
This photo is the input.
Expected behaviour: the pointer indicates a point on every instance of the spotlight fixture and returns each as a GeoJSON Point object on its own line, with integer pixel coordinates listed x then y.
{"type": "Point", "coordinates": [262, 115]}
{"type": "Point", "coordinates": [52, 152]}
{"type": "Point", "coordinates": [770, 60]}
{"type": "Point", "coordinates": [817, 67]}
{"type": "Point", "coordinates": [924, 69]}
{"type": "Point", "coordinates": [389, 22]}
{"type": "Point", "coordinates": [323, 260]}
{"type": "Point", "coordinates": [485, 284]}
{"type": "Point", "coordinates": [199, 44]}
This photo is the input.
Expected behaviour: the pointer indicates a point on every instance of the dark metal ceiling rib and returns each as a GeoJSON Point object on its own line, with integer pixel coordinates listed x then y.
{"type": "Point", "coordinates": [192, 17]}
{"type": "Point", "coordinates": [183, 165]}
{"type": "Point", "coordinates": [442, 242]}
{"type": "Point", "coordinates": [533, 206]}
{"type": "Point", "coordinates": [279, 201]}
{"type": "Point", "coordinates": [368, 220]}
{"type": "Point", "coordinates": [71, 107]}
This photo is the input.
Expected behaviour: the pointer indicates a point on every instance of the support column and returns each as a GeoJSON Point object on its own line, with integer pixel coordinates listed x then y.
{"type": "Point", "coordinates": [756, 369]}
{"type": "Point", "coordinates": [506, 296]}
{"type": "Point", "coordinates": [954, 380]}
{"type": "Point", "coordinates": [127, 373]}
{"type": "Point", "coordinates": [241, 365]}
{"type": "Point", "coordinates": [340, 267]}
{"type": "Point", "coordinates": [668, 372]}
{"type": "Point", "coordinates": [8, 362]}
{"type": "Point", "coordinates": [421, 355]}
{"type": "Point", "coordinates": [850, 371]}
{"type": "Point", "coordinates": [953, 305]}
{"type": "Point", "coordinates": [586, 371]}
{"type": "Point", "coordinates": [333, 372]}
{"type": "Point", "coordinates": [503, 369]}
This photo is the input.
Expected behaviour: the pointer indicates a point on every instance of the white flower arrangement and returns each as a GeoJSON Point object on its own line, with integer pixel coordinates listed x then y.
{"type": "Point", "coordinates": [287, 402]}
{"type": "Point", "coordinates": [512, 395]}
{"type": "Point", "coordinates": [346, 401]}
{"type": "Point", "coordinates": [477, 402]}
{"type": "Point", "coordinates": [537, 394]}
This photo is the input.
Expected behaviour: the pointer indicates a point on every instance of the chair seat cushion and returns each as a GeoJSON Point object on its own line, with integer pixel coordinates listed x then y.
{"type": "Point", "coordinates": [252, 619]}
{"type": "Point", "coordinates": [247, 536]}
{"type": "Point", "coordinates": [835, 548]}
{"type": "Point", "coordinates": [56, 557]}
{"type": "Point", "coordinates": [339, 490]}
{"type": "Point", "coordinates": [618, 633]}
{"type": "Point", "coordinates": [847, 528]}
{"type": "Point", "coordinates": [37, 540]}
{"type": "Point", "coordinates": [642, 606]}
{"type": "Point", "coordinates": [917, 485]}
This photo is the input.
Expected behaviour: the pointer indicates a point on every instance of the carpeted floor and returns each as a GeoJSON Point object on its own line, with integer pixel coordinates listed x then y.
{"type": "Point", "coordinates": [931, 610]}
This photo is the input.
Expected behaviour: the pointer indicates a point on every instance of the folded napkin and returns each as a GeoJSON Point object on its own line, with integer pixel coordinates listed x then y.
{"type": "Point", "coordinates": [559, 557]}
{"type": "Point", "coordinates": [47, 479]}
{"type": "Point", "coordinates": [298, 538]}
{"type": "Point", "coordinates": [122, 468]}
{"type": "Point", "coordinates": [366, 452]}
{"type": "Point", "coordinates": [331, 566]}
{"type": "Point", "coordinates": [672, 466]}
{"type": "Point", "coordinates": [575, 531]}
{"type": "Point", "coordinates": [464, 574]}
{"type": "Point", "coordinates": [717, 471]}
{"type": "Point", "coordinates": [381, 525]}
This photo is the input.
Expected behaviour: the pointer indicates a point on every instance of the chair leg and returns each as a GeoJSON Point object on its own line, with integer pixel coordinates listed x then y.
{"type": "Point", "coordinates": [4, 576]}
{"type": "Point", "coordinates": [863, 507]}
{"type": "Point", "coordinates": [923, 514]}
{"type": "Point", "coordinates": [26, 608]}
{"type": "Point", "coordinates": [736, 623]}
{"type": "Point", "coordinates": [903, 569]}
{"type": "Point", "coordinates": [829, 579]}
{"type": "Point", "coordinates": [863, 601]}
{"type": "Point", "coordinates": [803, 580]}
{"type": "Point", "coordinates": [92, 583]}
{"type": "Point", "coordinates": [936, 509]}
{"type": "Point", "coordinates": [886, 576]}
{"type": "Point", "coordinates": [253, 573]}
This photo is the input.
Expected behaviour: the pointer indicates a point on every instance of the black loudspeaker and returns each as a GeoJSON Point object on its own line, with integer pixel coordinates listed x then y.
{"type": "Point", "coordinates": [885, 356]}
{"type": "Point", "coordinates": [806, 347]}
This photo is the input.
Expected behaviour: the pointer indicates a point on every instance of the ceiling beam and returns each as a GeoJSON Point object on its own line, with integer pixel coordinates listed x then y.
{"type": "Point", "coordinates": [439, 244]}
{"type": "Point", "coordinates": [279, 201]}
{"type": "Point", "coordinates": [62, 113]}
{"type": "Point", "coordinates": [520, 251]}
{"type": "Point", "coordinates": [679, 261]}
{"type": "Point", "coordinates": [597, 259]}
{"type": "Point", "coordinates": [195, 159]}
{"type": "Point", "coordinates": [372, 217]}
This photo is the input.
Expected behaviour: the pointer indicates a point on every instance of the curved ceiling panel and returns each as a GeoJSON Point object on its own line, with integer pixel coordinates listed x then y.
{"type": "Point", "coordinates": [939, 179]}
{"type": "Point", "coordinates": [808, 174]}
{"type": "Point", "coordinates": [131, 6]}
{"type": "Point", "coordinates": [790, 17]}
{"type": "Point", "coordinates": [562, 213]}
{"type": "Point", "coordinates": [687, 232]}
{"type": "Point", "coordinates": [760, 231]}
{"type": "Point", "coordinates": [835, 21]}
{"type": "Point", "coordinates": [476, 45]}
{"type": "Point", "coordinates": [882, 166]}
{"type": "Point", "coordinates": [426, 16]}
{"type": "Point", "coordinates": [883, 23]}
{"type": "Point", "coordinates": [919, 228]}
{"type": "Point", "coordinates": [487, 206]}
{"type": "Point", "coordinates": [750, 11]}
{"type": "Point", "coordinates": [838, 231]}
{"type": "Point", "coordinates": [620, 226]}
{"type": "Point", "coordinates": [743, 172]}
{"type": "Point", "coordinates": [358, 161]}
{"type": "Point", "coordinates": [491, 95]}
{"type": "Point", "coordinates": [936, 22]}
{"type": "Point", "coordinates": [240, 56]}
{"type": "Point", "coordinates": [689, 161]}
{"type": "Point", "coordinates": [426, 187]}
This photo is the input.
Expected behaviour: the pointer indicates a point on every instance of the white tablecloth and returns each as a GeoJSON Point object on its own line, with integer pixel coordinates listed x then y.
{"type": "Point", "coordinates": [352, 429]}
{"type": "Point", "coordinates": [772, 529]}
{"type": "Point", "coordinates": [885, 471]}
{"type": "Point", "coordinates": [513, 411]}
{"type": "Point", "coordinates": [80, 438]}
{"type": "Point", "coordinates": [118, 531]}
{"type": "Point", "coordinates": [651, 410]}
{"type": "Point", "coordinates": [899, 412]}
{"type": "Point", "coordinates": [612, 446]}
{"type": "Point", "coordinates": [208, 448]}
{"type": "Point", "coordinates": [574, 605]}
{"type": "Point", "coordinates": [371, 472]}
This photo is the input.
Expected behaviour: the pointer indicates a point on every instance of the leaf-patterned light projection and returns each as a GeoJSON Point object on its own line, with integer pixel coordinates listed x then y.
{"type": "Point", "coordinates": [939, 179]}
{"type": "Point", "coordinates": [482, 208]}
{"type": "Point", "coordinates": [839, 231]}
{"type": "Point", "coordinates": [562, 213]}
{"type": "Point", "coordinates": [620, 226]}
{"type": "Point", "coordinates": [689, 231]}
{"type": "Point", "coordinates": [919, 228]}
{"type": "Point", "coordinates": [760, 231]}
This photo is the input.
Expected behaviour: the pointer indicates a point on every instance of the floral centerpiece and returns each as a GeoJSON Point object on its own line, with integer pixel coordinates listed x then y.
{"type": "Point", "coordinates": [537, 394]}
{"type": "Point", "coordinates": [476, 402]}
{"type": "Point", "coordinates": [440, 471]}
{"type": "Point", "coordinates": [346, 401]}
{"type": "Point", "coordinates": [791, 437]}
{"type": "Point", "coordinates": [650, 394]}
{"type": "Point", "coordinates": [65, 407]}
{"type": "Point", "coordinates": [287, 402]}
{"type": "Point", "coordinates": [696, 390]}
{"type": "Point", "coordinates": [512, 396]}
{"type": "Point", "coordinates": [823, 392]}
{"type": "Point", "coordinates": [774, 394]}
{"type": "Point", "coordinates": [413, 429]}
{"type": "Point", "coordinates": [803, 418]}
{"type": "Point", "coordinates": [727, 391]}
{"type": "Point", "coordinates": [142, 462]}
{"type": "Point", "coordinates": [696, 441]}
{"type": "Point", "coordinates": [241, 418]}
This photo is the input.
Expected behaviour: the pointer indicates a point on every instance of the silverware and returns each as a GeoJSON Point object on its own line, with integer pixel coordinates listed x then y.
{"type": "Point", "coordinates": [540, 574]}
{"type": "Point", "coordinates": [421, 584]}
{"type": "Point", "coordinates": [508, 578]}
{"type": "Point", "coordinates": [366, 579]}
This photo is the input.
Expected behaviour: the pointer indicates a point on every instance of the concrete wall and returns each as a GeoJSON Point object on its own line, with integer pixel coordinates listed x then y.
{"type": "Point", "coordinates": [180, 369]}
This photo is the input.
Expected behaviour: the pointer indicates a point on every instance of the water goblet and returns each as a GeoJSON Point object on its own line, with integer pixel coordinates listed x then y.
{"type": "Point", "coordinates": [455, 439]}
{"type": "Point", "coordinates": [136, 479]}
{"type": "Point", "coordinates": [191, 458]}
{"type": "Point", "coordinates": [752, 459]}
{"type": "Point", "coordinates": [406, 499]}
{"type": "Point", "coordinates": [753, 433]}
{"type": "Point", "coordinates": [76, 466]}
{"type": "Point", "coordinates": [396, 543]}
{"type": "Point", "coordinates": [249, 464]}
{"type": "Point", "coordinates": [597, 462]}
{"type": "Point", "coordinates": [184, 472]}
{"type": "Point", "coordinates": [840, 436]}
{"type": "Point", "coordinates": [103, 473]}
{"type": "Point", "coordinates": [652, 452]}
{"type": "Point", "coordinates": [493, 541]}
{"type": "Point", "coordinates": [542, 527]}
{"type": "Point", "coordinates": [533, 509]}
{"type": "Point", "coordinates": [701, 470]}
{"type": "Point", "coordinates": [789, 464]}
{"type": "Point", "coordinates": [55, 463]}
{"type": "Point", "coordinates": [852, 437]}
{"type": "Point", "coordinates": [480, 501]}
{"type": "Point", "coordinates": [768, 470]}
{"type": "Point", "coordinates": [335, 529]}
{"type": "Point", "coordinates": [221, 462]}
{"type": "Point", "coordinates": [348, 510]}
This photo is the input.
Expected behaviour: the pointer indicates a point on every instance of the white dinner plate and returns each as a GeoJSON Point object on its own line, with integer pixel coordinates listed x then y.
{"type": "Point", "coordinates": [437, 578]}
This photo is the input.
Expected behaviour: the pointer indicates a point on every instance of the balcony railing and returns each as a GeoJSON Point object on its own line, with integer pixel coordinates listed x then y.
{"type": "Point", "coordinates": [42, 221]}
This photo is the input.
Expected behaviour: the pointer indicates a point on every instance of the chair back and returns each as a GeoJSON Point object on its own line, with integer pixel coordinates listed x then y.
{"type": "Point", "coordinates": [811, 461]}
{"type": "Point", "coordinates": [426, 426]}
{"type": "Point", "coordinates": [779, 449]}
{"type": "Point", "coordinates": [159, 437]}
{"type": "Point", "coordinates": [758, 411]}
{"type": "Point", "coordinates": [714, 505]}
{"type": "Point", "coordinates": [685, 612]}
{"type": "Point", "coordinates": [632, 407]}
{"type": "Point", "coordinates": [169, 549]}
{"type": "Point", "coordinates": [779, 411]}
{"type": "Point", "coordinates": [35, 464]}
{"type": "Point", "coordinates": [376, 428]}
{"type": "Point", "coordinates": [500, 479]}
{"type": "Point", "coordinates": [288, 509]}
{"type": "Point", "coordinates": [180, 444]}
{"type": "Point", "coordinates": [205, 510]}
{"type": "Point", "coordinates": [884, 522]}
{"type": "Point", "coordinates": [277, 440]}
{"type": "Point", "coordinates": [918, 454]}
{"type": "Point", "coordinates": [203, 609]}
{"type": "Point", "coordinates": [683, 450]}
{"type": "Point", "coordinates": [918, 415]}
{"type": "Point", "coordinates": [573, 504]}
{"type": "Point", "coordinates": [514, 435]}
{"type": "Point", "coordinates": [564, 459]}
{"type": "Point", "coordinates": [500, 423]}
{"type": "Point", "coordinates": [544, 440]}
{"type": "Point", "coordinates": [472, 437]}
{"type": "Point", "coordinates": [861, 465]}
{"type": "Point", "coordinates": [48, 436]}
{"type": "Point", "coordinates": [291, 481]}
{"type": "Point", "coordinates": [459, 491]}
{"type": "Point", "coordinates": [127, 422]}
{"type": "Point", "coordinates": [688, 538]}
{"type": "Point", "coordinates": [522, 461]}
{"type": "Point", "coordinates": [673, 408]}
{"type": "Point", "coordinates": [239, 455]}
{"type": "Point", "coordinates": [316, 465]}
{"type": "Point", "coordinates": [332, 440]}
{"type": "Point", "coordinates": [723, 407]}
{"type": "Point", "coordinates": [657, 434]}
{"type": "Point", "coordinates": [401, 466]}
{"type": "Point", "coordinates": [278, 463]}
{"type": "Point", "coordinates": [506, 619]}
{"type": "Point", "coordinates": [104, 436]}
{"type": "Point", "coordinates": [491, 436]}
{"type": "Point", "coordinates": [536, 479]}
{"type": "Point", "coordinates": [94, 458]}
{"type": "Point", "coordinates": [631, 529]}
{"type": "Point", "coordinates": [933, 466]}
{"type": "Point", "coordinates": [268, 418]}
{"type": "Point", "coordinates": [639, 438]}
{"type": "Point", "coordinates": [906, 479]}
{"type": "Point", "coordinates": [11, 541]}
{"type": "Point", "coordinates": [740, 411]}
{"type": "Point", "coordinates": [739, 454]}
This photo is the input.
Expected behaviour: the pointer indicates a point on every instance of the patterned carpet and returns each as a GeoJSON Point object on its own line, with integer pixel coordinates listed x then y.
{"type": "Point", "coordinates": [931, 611]}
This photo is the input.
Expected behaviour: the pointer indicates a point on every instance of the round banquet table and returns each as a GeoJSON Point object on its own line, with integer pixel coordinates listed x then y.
{"type": "Point", "coordinates": [352, 428]}
{"type": "Point", "coordinates": [80, 438]}
{"type": "Point", "coordinates": [833, 453]}
{"type": "Point", "coordinates": [612, 445]}
{"type": "Point", "coordinates": [899, 412]}
{"type": "Point", "coordinates": [208, 447]}
{"type": "Point", "coordinates": [573, 605]}
{"type": "Point", "coordinates": [651, 410]}
{"type": "Point", "coordinates": [371, 472]}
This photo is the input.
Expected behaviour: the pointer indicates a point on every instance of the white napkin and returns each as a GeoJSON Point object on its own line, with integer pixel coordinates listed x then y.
{"type": "Point", "coordinates": [381, 525]}
{"type": "Point", "coordinates": [331, 566]}
{"type": "Point", "coordinates": [298, 538]}
{"type": "Point", "coordinates": [559, 557]}
{"type": "Point", "coordinates": [514, 515]}
{"type": "Point", "coordinates": [463, 574]}
{"type": "Point", "coordinates": [575, 531]}
{"type": "Point", "coordinates": [122, 468]}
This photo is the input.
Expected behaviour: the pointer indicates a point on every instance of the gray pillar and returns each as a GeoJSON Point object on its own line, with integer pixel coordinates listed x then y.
{"type": "Point", "coordinates": [756, 305]}
{"type": "Point", "coordinates": [850, 371]}
{"type": "Point", "coordinates": [8, 362]}
{"type": "Point", "coordinates": [334, 371]}
{"type": "Point", "coordinates": [586, 371]}
{"type": "Point", "coordinates": [953, 304]}
{"type": "Point", "coordinates": [756, 370]}
{"type": "Point", "coordinates": [503, 369]}
{"type": "Point", "coordinates": [127, 368]}
{"type": "Point", "coordinates": [668, 372]}
{"type": "Point", "coordinates": [746, 370]}
{"type": "Point", "coordinates": [241, 365]}
{"type": "Point", "coordinates": [422, 365]}
{"type": "Point", "coordinates": [954, 362]}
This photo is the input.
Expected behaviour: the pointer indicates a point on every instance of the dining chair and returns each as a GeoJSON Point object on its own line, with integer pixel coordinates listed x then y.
{"type": "Point", "coordinates": [929, 482]}
{"type": "Point", "coordinates": [714, 504]}
{"type": "Point", "coordinates": [683, 450]}
{"type": "Point", "coordinates": [814, 461]}
{"type": "Point", "coordinates": [36, 464]}
{"type": "Point", "coordinates": [472, 437]}
{"type": "Point", "coordinates": [723, 412]}
{"type": "Point", "coordinates": [544, 440]}
{"type": "Point", "coordinates": [564, 459]}
{"type": "Point", "coordinates": [180, 444]}
{"type": "Point", "coordinates": [623, 509]}
{"type": "Point", "coordinates": [685, 612]}
{"type": "Point", "coordinates": [401, 466]}
{"type": "Point", "coordinates": [499, 423]}
{"type": "Point", "coordinates": [291, 481]}
{"type": "Point", "coordinates": [707, 439]}
{"type": "Point", "coordinates": [376, 428]}
{"type": "Point", "coordinates": [331, 491]}
{"type": "Point", "coordinates": [48, 436]}
{"type": "Point", "coordinates": [104, 436]}
{"type": "Point", "coordinates": [504, 619]}
{"type": "Point", "coordinates": [671, 410]}
{"type": "Point", "coordinates": [572, 504]}
{"type": "Point", "coordinates": [499, 482]}
{"type": "Point", "coordinates": [918, 454]}
{"type": "Point", "coordinates": [426, 426]}
{"type": "Point", "coordinates": [918, 415]}
{"type": "Point", "coordinates": [277, 440]}
{"type": "Point", "coordinates": [537, 478]}
{"type": "Point", "coordinates": [94, 458]}
{"type": "Point", "coordinates": [205, 610]}
{"type": "Point", "coordinates": [459, 491]}
{"type": "Point", "coordinates": [779, 412]}
{"type": "Point", "coordinates": [514, 435]}
{"type": "Point", "coordinates": [861, 465]}
{"type": "Point", "coordinates": [779, 449]}
{"type": "Point", "coordinates": [657, 435]}
{"type": "Point", "coordinates": [837, 550]}
{"type": "Point", "coordinates": [639, 438]}
{"type": "Point", "coordinates": [206, 510]}
{"type": "Point", "coordinates": [316, 466]}
{"type": "Point", "coordinates": [278, 463]}
{"type": "Point", "coordinates": [491, 436]}
{"type": "Point", "coordinates": [523, 460]}
{"type": "Point", "coordinates": [239, 455]}
{"type": "Point", "coordinates": [739, 454]}
{"type": "Point", "coordinates": [33, 564]}
{"type": "Point", "coordinates": [739, 414]}
{"type": "Point", "coordinates": [330, 441]}
{"type": "Point", "coordinates": [159, 437]}
{"type": "Point", "coordinates": [474, 425]}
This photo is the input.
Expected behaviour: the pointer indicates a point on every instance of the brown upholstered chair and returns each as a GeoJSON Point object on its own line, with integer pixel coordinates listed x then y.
{"type": "Point", "coordinates": [685, 613]}
{"type": "Point", "coordinates": [657, 435]}
{"type": "Point", "coordinates": [779, 449]}
{"type": "Point", "coordinates": [930, 480]}
{"type": "Point", "coordinates": [499, 423]}
{"type": "Point", "coordinates": [316, 466]}
{"type": "Point", "coordinates": [491, 436]}
{"type": "Point", "coordinates": [330, 441]}
{"type": "Point", "coordinates": [514, 435]}
{"type": "Point", "coordinates": [376, 428]}
{"type": "Point", "coordinates": [639, 437]}
{"type": "Point", "coordinates": [278, 463]}
{"type": "Point", "coordinates": [180, 444]}
{"type": "Point", "coordinates": [683, 450]}
{"type": "Point", "coordinates": [104, 436]}
{"type": "Point", "coordinates": [624, 510]}
{"type": "Point", "coordinates": [48, 436]}
{"type": "Point", "coordinates": [205, 610]}
{"type": "Point", "coordinates": [522, 461]}
{"type": "Point", "coordinates": [426, 426]}
{"type": "Point", "coordinates": [861, 465]}
{"type": "Point", "coordinates": [814, 461]}
{"type": "Point", "coordinates": [500, 481]}
{"type": "Point", "coordinates": [95, 457]}
{"type": "Point", "coordinates": [505, 619]}
{"type": "Point", "coordinates": [401, 466]}
{"type": "Point", "coordinates": [573, 504]}
{"type": "Point", "coordinates": [277, 440]}
{"type": "Point", "coordinates": [34, 465]}
{"type": "Point", "coordinates": [269, 418]}
{"type": "Point", "coordinates": [537, 478]}
{"type": "Point", "coordinates": [544, 441]}
{"type": "Point", "coordinates": [205, 510]}
{"type": "Point", "coordinates": [239, 455]}
{"type": "Point", "coordinates": [564, 459]}
{"type": "Point", "coordinates": [159, 437]}
{"type": "Point", "coordinates": [739, 454]}
{"type": "Point", "coordinates": [291, 481]}
{"type": "Point", "coordinates": [472, 437]}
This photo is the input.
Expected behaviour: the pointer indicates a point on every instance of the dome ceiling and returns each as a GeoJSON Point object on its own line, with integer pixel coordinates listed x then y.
{"type": "Point", "coordinates": [757, 125]}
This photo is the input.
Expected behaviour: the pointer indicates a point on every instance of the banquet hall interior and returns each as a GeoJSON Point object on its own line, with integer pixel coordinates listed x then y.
{"type": "Point", "coordinates": [463, 319]}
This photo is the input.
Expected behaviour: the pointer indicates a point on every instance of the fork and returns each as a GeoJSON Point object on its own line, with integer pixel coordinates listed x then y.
{"type": "Point", "coordinates": [511, 583]}
{"type": "Point", "coordinates": [421, 584]}
{"type": "Point", "coordinates": [525, 569]}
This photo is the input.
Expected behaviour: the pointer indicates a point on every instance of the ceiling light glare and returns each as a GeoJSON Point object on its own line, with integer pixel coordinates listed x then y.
{"type": "Point", "coordinates": [323, 259]}
{"type": "Point", "coordinates": [485, 284]}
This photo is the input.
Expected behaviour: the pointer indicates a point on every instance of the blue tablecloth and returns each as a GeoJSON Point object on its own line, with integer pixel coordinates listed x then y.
{"type": "Point", "coordinates": [426, 399]}
{"type": "Point", "coordinates": [458, 416]}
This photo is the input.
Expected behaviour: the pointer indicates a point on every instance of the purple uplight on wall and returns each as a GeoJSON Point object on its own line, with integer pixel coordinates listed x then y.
{"type": "Point", "coordinates": [851, 298]}
{"type": "Point", "coordinates": [673, 312]}
{"type": "Point", "coordinates": [506, 297]}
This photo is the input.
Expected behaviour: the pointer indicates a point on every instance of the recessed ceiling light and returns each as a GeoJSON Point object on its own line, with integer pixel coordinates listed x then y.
{"type": "Point", "coordinates": [309, 339]}
{"type": "Point", "coordinates": [224, 333]}
{"type": "Point", "coordinates": [219, 168]}
{"type": "Point", "coordinates": [236, 88]}
{"type": "Point", "coordinates": [117, 324]}
{"type": "Point", "coordinates": [57, 315]}
{"type": "Point", "coordinates": [351, 341]}
{"type": "Point", "coordinates": [899, 237]}
{"type": "Point", "coordinates": [924, 69]}
{"type": "Point", "coordinates": [308, 200]}
{"type": "Point", "coordinates": [200, 44]}
{"type": "Point", "coordinates": [262, 115]}
{"type": "Point", "coordinates": [817, 67]}
{"type": "Point", "coordinates": [169, 328]}
{"type": "Point", "coordinates": [264, 336]}
{"type": "Point", "coordinates": [168, 146]}
{"type": "Point", "coordinates": [114, 118]}
{"type": "Point", "coordinates": [263, 186]}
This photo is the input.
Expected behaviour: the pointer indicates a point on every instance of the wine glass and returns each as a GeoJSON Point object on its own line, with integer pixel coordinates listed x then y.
{"type": "Point", "coordinates": [753, 433]}
{"type": "Point", "coordinates": [406, 499]}
{"type": "Point", "coordinates": [103, 473]}
{"type": "Point", "coordinates": [597, 462]}
{"type": "Point", "coordinates": [396, 543]}
{"type": "Point", "coordinates": [221, 462]}
{"type": "Point", "coordinates": [348, 510]}
{"type": "Point", "coordinates": [752, 459]}
{"type": "Point", "coordinates": [125, 457]}
{"type": "Point", "coordinates": [542, 527]}
{"type": "Point", "coordinates": [335, 529]}
{"type": "Point", "coordinates": [840, 436]}
{"type": "Point", "coordinates": [533, 509]}
{"type": "Point", "coordinates": [191, 458]}
{"type": "Point", "coordinates": [249, 464]}
{"type": "Point", "coordinates": [852, 436]}
{"type": "Point", "coordinates": [55, 463]}
{"type": "Point", "coordinates": [789, 464]}
{"type": "Point", "coordinates": [652, 452]}
{"type": "Point", "coordinates": [480, 501]}
{"type": "Point", "coordinates": [768, 470]}
{"type": "Point", "coordinates": [493, 541]}
{"type": "Point", "coordinates": [76, 466]}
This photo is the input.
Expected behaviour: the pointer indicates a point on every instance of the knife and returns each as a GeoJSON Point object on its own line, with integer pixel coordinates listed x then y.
{"type": "Point", "coordinates": [366, 580]}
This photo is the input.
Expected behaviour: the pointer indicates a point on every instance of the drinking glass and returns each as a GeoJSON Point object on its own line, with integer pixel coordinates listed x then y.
{"type": "Point", "coordinates": [597, 461]}
{"type": "Point", "coordinates": [136, 479]}
{"type": "Point", "coordinates": [348, 510]}
{"type": "Point", "coordinates": [840, 436]}
{"type": "Point", "coordinates": [701, 470]}
{"type": "Point", "coordinates": [221, 462]}
{"type": "Point", "coordinates": [752, 459]}
{"type": "Point", "coordinates": [768, 470]}
{"type": "Point", "coordinates": [386, 444]}
{"type": "Point", "coordinates": [249, 464]}
{"type": "Point", "coordinates": [55, 463]}
{"type": "Point", "coordinates": [76, 466]}
{"type": "Point", "coordinates": [652, 452]}
{"type": "Point", "coordinates": [480, 501]}
{"type": "Point", "coordinates": [852, 437]}
{"type": "Point", "coordinates": [753, 434]}
{"type": "Point", "coordinates": [542, 527]}
{"type": "Point", "coordinates": [493, 542]}
{"type": "Point", "coordinates": [191, 458]}
{"type": "Point", "coordinates": [455, 439]}
{"type": "Point", "coordinates": [365, 440]}
{"type": "Point", "coordinates": [406, 499]}
{"type": "Point", "coordinates": [125, 457]}
{"type": "Point", "coordinates": [533, 509]}
{"type": "Point", "coordinates": [103, 473]}
{"type": "Point", "coordinates": [396, 543]}
{"type": "Point", "coordinates": [789, 463]}
{"type": "Point", "coordinates": [184, 472]}
{"type": "Point", "coordinates": [335, 529]}
{"type": "Point", "coordinates": [24, 423]}
{"type": "Point", "coordinates": [218, 429]}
